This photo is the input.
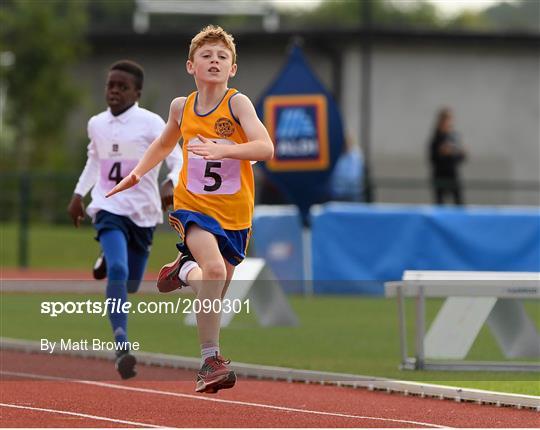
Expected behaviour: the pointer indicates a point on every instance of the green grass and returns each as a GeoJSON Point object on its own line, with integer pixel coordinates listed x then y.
{"type": "Point", "coordinates": [66, 247]}
{"type": "Point", "coordinates": [339, 334]}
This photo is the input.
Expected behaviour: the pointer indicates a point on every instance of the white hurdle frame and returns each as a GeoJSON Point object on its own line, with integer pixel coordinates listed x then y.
{"type": "Point", "coordinates": [422, 284]}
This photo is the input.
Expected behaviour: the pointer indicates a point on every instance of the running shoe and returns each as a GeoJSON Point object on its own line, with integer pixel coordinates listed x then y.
{"type": "Point", "coordinates": [168, 279]}
{"type": "Point", "coordinates": [125, 364]}
{"type": "Point", "coordinates": [227, 383]}
{"type": "Point", "coordinates": [215, 375]}
{"type": "Point", "coordinates": [100, 267]}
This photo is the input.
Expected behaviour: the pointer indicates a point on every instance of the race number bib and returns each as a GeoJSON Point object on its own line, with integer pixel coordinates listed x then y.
{"type": "Point", "coordinates": [116, 162]}
{"type": "Point", "coordinates": [213, 176]}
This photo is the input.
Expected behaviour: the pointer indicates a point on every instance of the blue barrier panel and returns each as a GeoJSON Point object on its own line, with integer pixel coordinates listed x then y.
{"type": "Point", "coordinates": [482, 238]}
{"type": "Point", "coordinates": [277, 237]}
{"type": "Point", "coordinates": [356, 247]}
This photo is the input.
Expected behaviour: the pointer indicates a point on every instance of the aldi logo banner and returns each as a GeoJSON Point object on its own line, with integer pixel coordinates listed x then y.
{"type": "Point", "coordinates": [305, 125]}
{"type": "Point", "coordinates": [298, 127]}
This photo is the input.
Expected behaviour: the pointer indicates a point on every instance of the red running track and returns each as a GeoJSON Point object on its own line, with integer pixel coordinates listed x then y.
{"type": "Point", "coordinates": [88, 393]}
{"type": "Point", "coordinates": [57, 274]}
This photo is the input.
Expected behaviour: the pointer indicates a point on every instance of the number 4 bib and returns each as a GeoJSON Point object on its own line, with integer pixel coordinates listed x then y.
{"type": "Point", "coordinates": [213, 176]}
{"type": "Point", "coordinates": [116, 161]}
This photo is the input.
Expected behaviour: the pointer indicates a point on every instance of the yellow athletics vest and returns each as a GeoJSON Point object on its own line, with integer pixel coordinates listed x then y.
{"type": "Point", "coordinates": [223, 189]}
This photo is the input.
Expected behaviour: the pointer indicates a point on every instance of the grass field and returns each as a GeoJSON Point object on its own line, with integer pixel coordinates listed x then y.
{"type": "Point", "coordinates": [61, 247]}
{"type": "Point", "coordinates": [339, 334]}
{"type": "Point", "coordinates": [351, 334]}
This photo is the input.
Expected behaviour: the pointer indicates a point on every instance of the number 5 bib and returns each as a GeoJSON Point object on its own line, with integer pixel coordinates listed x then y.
{"type": "Point", "coordinates": [213, 176]}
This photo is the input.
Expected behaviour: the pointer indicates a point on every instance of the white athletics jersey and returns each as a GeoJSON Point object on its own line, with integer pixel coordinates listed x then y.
{"type": "Point", "coordinates": [117, 143]}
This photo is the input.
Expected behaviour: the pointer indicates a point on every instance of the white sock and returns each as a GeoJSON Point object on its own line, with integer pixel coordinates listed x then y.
{"type": "Point", "coordinates": [208, 351]}
{"type": "Point", "coordinates": [186, 268]}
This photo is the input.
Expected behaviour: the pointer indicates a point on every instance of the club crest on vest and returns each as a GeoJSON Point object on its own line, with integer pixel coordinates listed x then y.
{"type": "Point", "coordinates": [224, 127]}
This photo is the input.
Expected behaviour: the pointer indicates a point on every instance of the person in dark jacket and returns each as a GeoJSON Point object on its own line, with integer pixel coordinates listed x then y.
{"type": "Point", "coordinates": [446, 154]}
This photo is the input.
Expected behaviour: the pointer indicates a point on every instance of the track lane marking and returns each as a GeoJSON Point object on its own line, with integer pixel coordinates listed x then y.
{"type": "Point", "coordinates": [77, 414]}
{"type": "Point", "coordinates": [235, 402]}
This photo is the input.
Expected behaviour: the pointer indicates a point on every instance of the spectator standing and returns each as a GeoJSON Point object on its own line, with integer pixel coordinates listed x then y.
{"type": "Point", "coordinates": [446, 153]}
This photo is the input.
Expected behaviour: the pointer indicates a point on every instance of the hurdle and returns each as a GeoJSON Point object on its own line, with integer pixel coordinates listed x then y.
{"type": "Point", "coordinates": [472, 299]}
{"type": "Point", "coordinates": [254, 281]}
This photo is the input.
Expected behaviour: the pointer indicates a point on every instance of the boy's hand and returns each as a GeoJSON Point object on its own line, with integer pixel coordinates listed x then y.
{"type": "Point", "coordinates": [128, 182]}
{"type": "Point", "coordinates": [166, 192]}
{"type": "Point", "coordinates": [76, 209]}
{"type": "Point", "coordinates": [208, 149]}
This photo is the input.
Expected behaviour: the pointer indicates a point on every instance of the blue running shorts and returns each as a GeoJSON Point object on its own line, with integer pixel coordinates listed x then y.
{"type": "Point", "coordinates": [138, 238]}
{"type": "Point", "coordinates": [232, 243]}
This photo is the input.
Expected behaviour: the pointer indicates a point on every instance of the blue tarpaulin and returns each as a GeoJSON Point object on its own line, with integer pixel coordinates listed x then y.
{"type": "Point", "coordinates": [357, 244]}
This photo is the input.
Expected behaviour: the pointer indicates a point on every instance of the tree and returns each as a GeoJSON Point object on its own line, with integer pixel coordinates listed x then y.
{"type": "Point", "coordinates": [522, 15]}
{"type": "Point", "coordinates": [47, 38]}
{"type": "Point", "coordinates": [348, 14]}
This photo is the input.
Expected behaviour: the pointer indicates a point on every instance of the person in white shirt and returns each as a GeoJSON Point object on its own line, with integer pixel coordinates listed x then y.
{"type": "Point", "coordinates": [125, 223]}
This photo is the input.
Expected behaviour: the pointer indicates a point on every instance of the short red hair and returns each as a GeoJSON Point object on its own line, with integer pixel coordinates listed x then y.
{"type": "Point", "coordinates": [212, 34]}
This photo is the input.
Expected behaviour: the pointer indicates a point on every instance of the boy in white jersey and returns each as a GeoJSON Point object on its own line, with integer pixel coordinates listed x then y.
{"type": "Point", "coordinates": [214, 197]}
{"type": "Point", "coordinates": [125, 223]}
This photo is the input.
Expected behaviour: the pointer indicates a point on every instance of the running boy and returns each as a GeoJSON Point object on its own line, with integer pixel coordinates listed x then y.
{"type": "Point", "coordinates": [214, 197]}
{"type": "Point", "coordinates": [125, 224]}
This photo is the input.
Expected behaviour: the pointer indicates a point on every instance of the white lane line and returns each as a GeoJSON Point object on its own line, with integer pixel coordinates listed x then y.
{"type": "Point", "coordinates": [209, 399]}
{"type": "Point", "coordinates": [76, 414]}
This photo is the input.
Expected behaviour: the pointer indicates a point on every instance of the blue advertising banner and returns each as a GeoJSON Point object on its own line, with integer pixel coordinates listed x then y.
{"type": "Point", "coordinates": [305, 125]}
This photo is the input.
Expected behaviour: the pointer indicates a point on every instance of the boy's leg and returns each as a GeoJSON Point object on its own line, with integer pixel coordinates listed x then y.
{"type": "Point", "coordinates": [208, 279]}
{"type": "Point", "coordinates": [230, 380]}
{"type": "Point", "coordinates": [137, 265]}
{"type": "Point", "coordinates": [114, 245]}
{"type": "Point", "coordinates": [230, 272]}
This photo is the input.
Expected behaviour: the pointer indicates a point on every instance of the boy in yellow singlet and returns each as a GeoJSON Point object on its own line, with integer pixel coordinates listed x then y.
{"type": "Point", "coordinates": [214, 198]}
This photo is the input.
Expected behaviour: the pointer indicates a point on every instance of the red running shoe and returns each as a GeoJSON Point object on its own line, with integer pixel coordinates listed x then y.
{"type": "Point", "coordinates": [215, 375]}
{"type": "Point", "coordinates": [168, 279]}
{"type": "Point", "coordinates": [227, 383]}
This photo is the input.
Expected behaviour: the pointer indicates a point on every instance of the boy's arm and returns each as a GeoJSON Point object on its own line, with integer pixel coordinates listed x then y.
{"type": "Point", "coordinates": [85, 183]}
{"type": "Point", "coordinates": [157, 151]}
{"type": "Point", "coordinates": [259, 146]}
